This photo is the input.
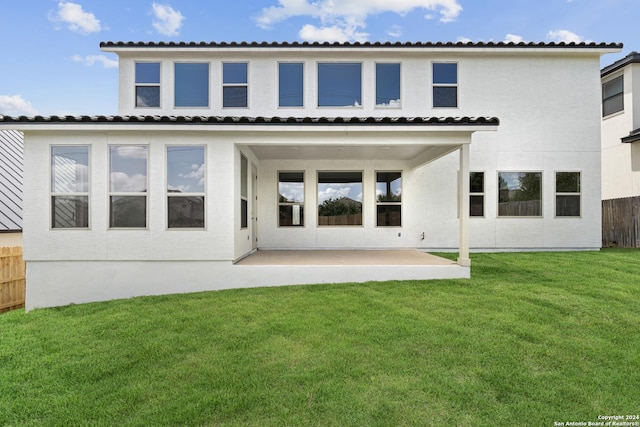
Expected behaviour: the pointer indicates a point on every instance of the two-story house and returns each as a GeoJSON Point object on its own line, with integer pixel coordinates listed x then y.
{"type": "Point", "coordinates": [621, 151]}
{"type": "Point", "coordinates": [224, 149]}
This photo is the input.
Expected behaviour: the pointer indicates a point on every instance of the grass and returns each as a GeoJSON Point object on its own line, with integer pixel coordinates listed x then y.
{"type": "Point", "coordinates": [531, 339]}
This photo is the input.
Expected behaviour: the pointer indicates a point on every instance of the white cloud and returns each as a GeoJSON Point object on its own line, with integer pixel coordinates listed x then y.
{"type": "Point", "coordinates": [16, 106]}
{"type": "Point", "coordinates": [513, 38]}
{"type": "Point", "coordinates": [565, 36]}
{"type": "Point", "coordinates": [168, 21]}
{"type": "Point", "coordinates": [464, 39]}
{"type": "Point", "coordinates": [90, 60]}
{"type": "Point", "coordinates": [121, 181]}
{"type": "Point", "coordinates": [131, 151]}
{"type": "Point", "coordinates": [395, 31]}
{"type": "Point", "coordinates": [344, 20]}
{"type": "Point", "coordinates": [76, 18]}
{"type": "Point", "coordinates": [197, 173]}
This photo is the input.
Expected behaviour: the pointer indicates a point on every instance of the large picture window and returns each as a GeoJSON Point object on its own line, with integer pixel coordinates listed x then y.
{"type": "Point", "coordinates": [186, 176]}
{"type": "Point", "coordinates": [613, 96]}
{"type": "Point", "coordinates": [290, 84]}
{"type": "Point", "coordinates": [147, 84]}
{"type": "Point", "coordinates": [388, 85]}
{"type": "Point", "coordinates": [476, 194]}
{"type": "Point", "coordinates": [70, 186]}
{"type": "Point", "coordinates": [567, 193]}
{"type": "Point", "coordinates": [128, 186]}
{"type": "Point", "coordinates": [388, 199]}
{"type": "Point", "coordinates": [339, 84]}
{"type": "Point", "coordinates": [519, 193]}
{"type": "Point", "coordinates": [235, 84]}
{"type": "Point", "coordinates": [291, 199]}
{"type": "Point", "coordinates": [445, 84]}
{"type": "Point", "coordinates": [339, 198]}
{"type": "Point", "coordinates": [191, 84]}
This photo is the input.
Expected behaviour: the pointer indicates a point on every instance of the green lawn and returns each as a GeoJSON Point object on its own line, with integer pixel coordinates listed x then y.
{"type": "Point", "coordinates": [531, 339]}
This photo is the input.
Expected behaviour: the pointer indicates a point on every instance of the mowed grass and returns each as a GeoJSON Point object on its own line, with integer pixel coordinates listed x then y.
{"type": "Point", "coordinates": [531, 339]}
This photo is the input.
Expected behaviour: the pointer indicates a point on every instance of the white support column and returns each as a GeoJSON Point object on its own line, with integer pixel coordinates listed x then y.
{"type": "Point", "coordinates": [463, 195]}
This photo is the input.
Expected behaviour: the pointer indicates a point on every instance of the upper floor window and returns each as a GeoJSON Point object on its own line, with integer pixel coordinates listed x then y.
{"type": "Point", "coordinates": [291, 199]}
{"type": "Point", "coordinates": [388, 199]}
{"type": "Point", "coordinates": [147, 84]}
{"type": "Point", "coordinates": [476, 194]}
{"type": "Point", "coordinates": [191, 84]}
{"type": "Point", "coordinates": [235, 84]}
{"type": "Point", "coordinates": [519, 193]}
{"type": "Point", "coordinates": [339, 84]}
{"type": "Point", "coordinates": [340, 198]}
{"type": "Point", "coordinates": [613, 96]}
{"type": "Point", "coordinates": [567, 193]}
{"type": "Point", "coordinates": [445, 84]}
{"type": "Point", "coordinates": [388, 85]}
{"type": "Point", "coordinates": [70, 186]}
{"type": "Point", "coordinates": [185, 186]}
{"type": "Point", "coordinates": [128, 186]}
{"type": "Point", "coordinates": [290, 84]}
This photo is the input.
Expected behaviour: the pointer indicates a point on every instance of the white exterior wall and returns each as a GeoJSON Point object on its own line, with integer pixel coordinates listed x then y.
{"type": "Point", "coordinates": [621, 161]}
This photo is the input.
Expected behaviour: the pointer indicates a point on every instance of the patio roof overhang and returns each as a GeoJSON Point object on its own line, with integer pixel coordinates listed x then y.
{"type": "Point", "coordinates": [418, 140]}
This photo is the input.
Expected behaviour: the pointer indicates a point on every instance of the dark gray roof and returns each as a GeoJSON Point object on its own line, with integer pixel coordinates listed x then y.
{"type": "Point", "coordinates": [233, 120]}
{"type": "Point", "coordinates": [11, 149]}
{"type": "Point", "coordinates": [633, 136]}
{"type": "Point", "coordinates": [264, 44]}
{"type": "Point", "coordinates": [632, 58]}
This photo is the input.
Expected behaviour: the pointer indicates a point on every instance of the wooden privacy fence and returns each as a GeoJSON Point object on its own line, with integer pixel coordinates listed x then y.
{"type": "Point", "coordinates": [12, 278]}
{"type": "Point", "coordinates": [621, 222]}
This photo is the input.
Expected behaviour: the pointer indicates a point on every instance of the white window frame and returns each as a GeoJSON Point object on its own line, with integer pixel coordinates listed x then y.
{"type": "Point", "coordinates": [136, 84]}
{"type": "Point", "coordinates": [303, 84]}
{"type": "Point", "coordinates": [182, 107]}
{"type": "Point", "coordinates": [388, 203]}
{"type": "Point", "coordinates": [301, 204]}
{"type": "Point", "coordinates": [456, 85]}
{"type": "Point", "coordinates": [86, 194]}
{"type": "Point", "coordinates": [375, 85]}
{"type": "Point", "coordinates": [575, 194]}
{"type": "Point", "coordinates": [497, 178]}
{"type": "Point", "coordinates": [191, 194]}
{"type": "Point", "coordinates": [125, 193]}
{"type": "Point", "coordinates": [362, 98]}
{"type": "Point", "coordinates": [224, 85]}
{"type": "Point", "coordinates": [483, 194]}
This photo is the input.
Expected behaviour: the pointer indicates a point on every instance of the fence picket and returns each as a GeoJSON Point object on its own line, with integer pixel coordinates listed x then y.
{"type": "Point", "coordinates": [621, 222]}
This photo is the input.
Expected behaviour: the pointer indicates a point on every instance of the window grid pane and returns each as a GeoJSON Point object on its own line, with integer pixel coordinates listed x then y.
{"type": "Point", "coordinates": [191, 85]}
{"type": "Point", "coordinates": [291, 199]}
{"type": "Point", "coordinates": [128, 186]}
{"type": "Point", "coordinates": [186, 177]}
{"type": "Point", "coordinates": [70, 186]}
{"type": "Point", "coordinates": [339, 84]}
{"type": "Point", "coordinates": [388, 85]}
{"type": "Point", "coordinates": [290, 84]}
{"type": "Point", "coordinates": [476, 194]}
{"type": "Point", "coordinates": [568, 194]}
{"type": "Point", "coordinates": [339, 198]}
{"type": "Point", "coordinates": [519, 194]}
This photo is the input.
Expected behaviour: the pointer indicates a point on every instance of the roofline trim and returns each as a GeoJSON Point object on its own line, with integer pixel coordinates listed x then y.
{"type": "Point", "coordinates": [632, 137]}
{"type": "Point", "coordinates": [632, 58]}
{"type": "Point", "coordinates": [244, 120]}
{"type": "Point", "coordinates": [295, 44]}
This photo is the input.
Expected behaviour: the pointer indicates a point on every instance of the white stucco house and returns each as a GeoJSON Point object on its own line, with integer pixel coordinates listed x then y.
{"type": "Point", "coordinates": [621, 128]}
{"type": "Point", "coordinates": [223, 151]}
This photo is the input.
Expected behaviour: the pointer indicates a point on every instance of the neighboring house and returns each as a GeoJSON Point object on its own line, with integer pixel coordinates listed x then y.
{"type": "Point", "coordinates": [220, 149]}
{"type": "Point", "coordinates": [10, 188]}
{"type": "Point", "coordinates": [621, 151]}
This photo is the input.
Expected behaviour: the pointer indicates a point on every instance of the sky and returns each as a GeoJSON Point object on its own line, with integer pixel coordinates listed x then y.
{"type": "Point", "coordinates": [51, 62]}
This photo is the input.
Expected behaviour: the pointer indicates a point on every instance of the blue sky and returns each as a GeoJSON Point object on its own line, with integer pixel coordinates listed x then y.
{"type": "Point", "coordinates": [51, 63]}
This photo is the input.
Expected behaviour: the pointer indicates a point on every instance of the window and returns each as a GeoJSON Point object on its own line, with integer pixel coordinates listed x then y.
{"type": "Point", "coordinates": [567, 193]}
{"type": "Point", "coordinates": [244, 193]}
{"type": "Point", "coordinates": [235, 84]}
{"type": "Point", "coordinates": [70, 186]}
{"type": "Point", "coordinates": [147, 84]}
{"type": "Point", "coordinates": [476, 194]}
{"type": "Point", "coordinates": [291, 199]}
{"type": "Point", "coordinates": [519, 193]}
{"type": "Point", "coordinates": [388, 199]}
{"type": "Point", "coordinates": [339, 198]}
{"type": "Point", "coordinates": [445, 84]}
{"type": "Point", "coordinates": [388, 85]}
{"type": "Point", "coordinates": [128, 186]}
{"type": "Point", "coordinates": [613, 96]}
{"type": "Point", "coordinates": [191, 84]}
{"type": "Point", "coordinates": [339, 84]}
{"type": "Point", "coordinates": [290, 84]}
{"type": "Point", "coordinates": [185, 186]}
